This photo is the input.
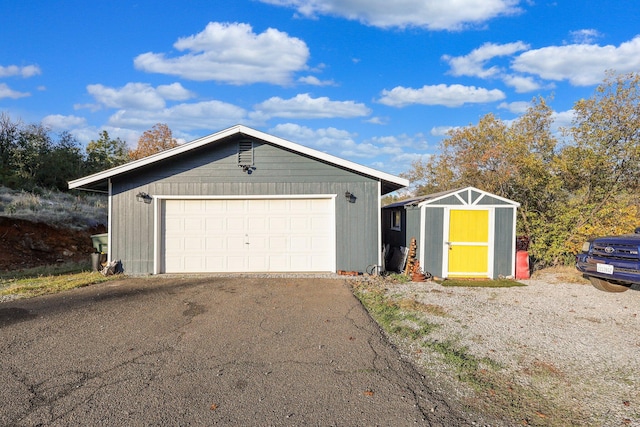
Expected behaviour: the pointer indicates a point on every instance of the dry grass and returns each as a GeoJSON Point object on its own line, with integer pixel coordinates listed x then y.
{"type": "Point", "coordinates": [560, 274]}
{"type": "Point", "coordinates": [79, 211]}
{"type": "Point", "coordinates": [488, 388]}
{"type": "Point", "coordinates": [413, 305]}
{"type": "Point", "coordinates": [35, 286]}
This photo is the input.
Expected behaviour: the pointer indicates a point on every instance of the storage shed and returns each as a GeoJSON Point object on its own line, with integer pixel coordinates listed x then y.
{"type": "Point", "coordinates": [241, 200]}
{"type": "Point", "coordinates": [465, 232]}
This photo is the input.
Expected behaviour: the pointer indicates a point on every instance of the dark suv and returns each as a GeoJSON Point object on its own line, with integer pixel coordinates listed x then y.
{"type": "Point", "coordinates": [611, 263]}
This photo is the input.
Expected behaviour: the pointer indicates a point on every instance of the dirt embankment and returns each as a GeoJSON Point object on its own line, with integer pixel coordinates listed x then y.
{"type": "Point", "coordinates": [26, 244]}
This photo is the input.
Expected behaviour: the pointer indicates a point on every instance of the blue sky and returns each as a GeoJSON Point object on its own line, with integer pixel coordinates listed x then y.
{"type": "Point", "coordinates": [376, 82]}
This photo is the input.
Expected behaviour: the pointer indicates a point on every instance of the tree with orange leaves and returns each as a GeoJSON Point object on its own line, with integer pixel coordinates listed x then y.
{"type": "Point", "coordinates": [152, 141]}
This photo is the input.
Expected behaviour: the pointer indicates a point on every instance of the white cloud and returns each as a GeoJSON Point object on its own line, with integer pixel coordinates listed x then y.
{"type": "Point", "coordinates": [450, 96]}
{"type": "Point", "coordinates": [202, 115]}
{"type": "Point", "coordinates": [430, 14]}
{"type": "Point", "coordinates": [232, 53]}
{"type": "Point", "coordinates": [7, 92]}
{"type": "Point", "coordinates": [398, 151]}
{"type": "Point", "coordinates": [314, 81]}
{"type": "Point", "coordinates": [580, 64]}
{"type": "Point", "coordinates": [442, 130]}
{"type": "Point", "coordinates": [378, 120]}
{"type": "Point", "coordinates": [138, 95]}
{"type": "Point", "coordinates": [174, 92]}
{"type": "Point", "coordinates": [14, 70]}
{"type": "Point", "coordinates": [303, 106]}
{"type": "Point", "coordinates": [521, 84]}
{"type": "Point", "coordinates": [474, 63]}
{"type": "Point", "coordinates": [518, 107]}
{"type": "Point", "coordinates": [585, 36]}
{"type": "Point", "coordinates": [562, 119]}
{"type": "Point", "coordinates": [60, 122]}
{"type": "Point", "coordinates": [77, 126]}
{"type": "Point", "coordinates": [329, 140]}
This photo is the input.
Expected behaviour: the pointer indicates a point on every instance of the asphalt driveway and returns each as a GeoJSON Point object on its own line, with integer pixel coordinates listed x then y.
{"type": "Point", "coordinates": [206, 351]}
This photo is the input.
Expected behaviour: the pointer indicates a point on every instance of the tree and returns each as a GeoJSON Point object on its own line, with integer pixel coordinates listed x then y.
{"type": "Point", "coordinates": [105, 153]}
{"type": "Point", "coordinates": [155, 140]}
{"type": "Point", "coordinates": [32, 147]}
{"type": "Point", "coordinates": [9, 131]}
{"type": "Point", "coordinates": [601, 169]}
{"type": "Point", "coordinates": [515, 161]}
{"type": "Point", "coordinates": [512, 161]}
{"type": "Point", "coordinates": [585, 187]}
{"type": "Point", "coordinates": [64, 162]}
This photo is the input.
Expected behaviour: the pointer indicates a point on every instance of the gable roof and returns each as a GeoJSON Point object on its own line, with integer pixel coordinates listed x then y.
{"type": "Point", "coordinates": [98, 180]}
{"type": "Point", "coordinates": [435, 197]}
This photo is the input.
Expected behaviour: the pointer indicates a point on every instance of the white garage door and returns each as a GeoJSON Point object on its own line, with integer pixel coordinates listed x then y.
{"type": "Point", "coordinates": [248, 235]}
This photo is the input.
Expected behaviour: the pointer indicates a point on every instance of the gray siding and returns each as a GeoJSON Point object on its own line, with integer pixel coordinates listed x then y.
{"type": "Point", "coordinates": [413, 227]}
{"type": "Point", "coordinates": [213, 171]}
{"type": "Point", "coordinates": [451, 200]}
{"type": "Point", "coordinates": [504, 257]}
{"type": "Point", "coordinates": [434, 240]}
{"type": "Point", "coordinates": [488, 200]}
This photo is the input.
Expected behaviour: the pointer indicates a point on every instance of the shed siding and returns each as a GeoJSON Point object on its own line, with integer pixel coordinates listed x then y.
{"type": "Point", "coordinates": [503, 244]}
{"type": "Point", "coordinates": [413, 228]}
{"type": "Point", "coordinates": [488, 200]}
{"type": "Point", "coordinates": [214, 172]}
{"type": "Point", "coordinates": [434, 240]}
{"type": "Point", "coordinates": [451, 200]}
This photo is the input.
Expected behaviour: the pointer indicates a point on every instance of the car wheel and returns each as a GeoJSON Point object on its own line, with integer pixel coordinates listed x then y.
{"type": "Point", "coordinates": [606, 286]}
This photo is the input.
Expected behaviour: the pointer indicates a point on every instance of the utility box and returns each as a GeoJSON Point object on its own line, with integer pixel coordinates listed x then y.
{"type": "Point", "coordinates": [100, 242]}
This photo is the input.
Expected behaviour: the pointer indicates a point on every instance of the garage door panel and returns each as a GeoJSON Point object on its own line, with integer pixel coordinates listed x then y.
{"type": "Point", "coordinates": [300, 243]}
{"type": "Point", "coordinates": [194, 244]}
{"type": "Point", "coordinates": [278, 244]}
{"type": "Point", "coordinates": [214, 225]}
{"type": "Point", "coordinates": [215, 244]}
{"type": "Point", "coordinates": [233, 206]}
{"type": "Point", "coordinates": [248, 235]}
{"type": "Point", "coordinates": [234, 244]}
{"type": "Point", "coordinates": [215, 263]}
{"type": "Point", "coordinates": [174, 263]}
{"type": "Point", "coordinates": [256, 224]}
{"type": "Point", "coordinates": [236, 263]}
{"type": "Point", "coordinates": [234, 223]}
{"type": "Point", "coordinates": [278, 224]}
{"type": "Point", "coordinates": [194, 264]}
{"type": "Point", "coordinates": [191, 207]}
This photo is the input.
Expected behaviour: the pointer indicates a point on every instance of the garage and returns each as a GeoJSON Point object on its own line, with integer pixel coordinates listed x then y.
{"type": "Point", "coordinates": [275, 234]}
{"type": "Point", "coordinates": [240, 200]}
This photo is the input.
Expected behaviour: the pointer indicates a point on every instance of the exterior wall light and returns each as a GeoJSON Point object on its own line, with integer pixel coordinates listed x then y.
{"type": "Point", "coordinates": [350, 197]}
{"type": "Point", "coordinates": [143, 197]}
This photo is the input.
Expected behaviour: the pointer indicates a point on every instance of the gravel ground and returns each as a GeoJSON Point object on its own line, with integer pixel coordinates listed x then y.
{"type": "Point", "coordinates": [575, 345]}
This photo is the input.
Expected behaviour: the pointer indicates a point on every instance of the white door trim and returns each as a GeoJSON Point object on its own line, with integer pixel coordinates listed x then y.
{"type": "Point", "coordinates": [445, 236]}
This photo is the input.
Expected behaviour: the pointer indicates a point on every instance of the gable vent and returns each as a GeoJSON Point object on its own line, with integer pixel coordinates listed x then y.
{"type": "Point", "coordinates": [245, 153]}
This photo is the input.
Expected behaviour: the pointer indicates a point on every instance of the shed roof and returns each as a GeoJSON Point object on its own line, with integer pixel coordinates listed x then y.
{"type": "Point", "coordinates": [98, 181]}
{"type": "Point", "coordinates": [460, 192]}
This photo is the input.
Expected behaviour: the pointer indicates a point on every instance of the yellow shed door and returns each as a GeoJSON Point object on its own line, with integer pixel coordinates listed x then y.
{"type": "Point", "coordinates": [468, 244]}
